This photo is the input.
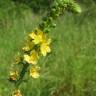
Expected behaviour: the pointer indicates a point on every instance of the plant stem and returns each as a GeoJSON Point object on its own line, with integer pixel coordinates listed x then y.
{"type": "Point", "coordinates": [22, 74]}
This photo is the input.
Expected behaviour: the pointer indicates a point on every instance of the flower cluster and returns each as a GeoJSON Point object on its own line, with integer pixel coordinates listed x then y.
{"type": "Point", "coordinates": [36, 46]}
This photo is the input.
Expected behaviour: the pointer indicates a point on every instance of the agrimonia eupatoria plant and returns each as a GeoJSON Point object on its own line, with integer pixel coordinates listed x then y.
{"type": "Point", "coordinates": [38, 44]}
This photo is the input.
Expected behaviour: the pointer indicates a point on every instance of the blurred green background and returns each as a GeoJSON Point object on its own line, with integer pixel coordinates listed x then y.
{"type": "Point", "coordinates": [71, 68]}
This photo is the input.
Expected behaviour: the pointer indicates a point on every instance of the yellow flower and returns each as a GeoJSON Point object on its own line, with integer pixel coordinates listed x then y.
{"type": "Point", "coordinates": [34, 72]}
{"type": "Point", "coordinates": [28, 45]}
{"type": "Point", "coordinates": [16, 93]}
{"type": "Point", "coordinates": [13, 75]}
{"type": "Point", "coordinates": [44, 48]}
{"type": "Point", "coordinates": [37, 36]}
{"type": "Point", "coordinates": [33, 58]}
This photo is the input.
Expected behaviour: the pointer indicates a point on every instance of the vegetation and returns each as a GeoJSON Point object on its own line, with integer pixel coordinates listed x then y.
{"type": "Point", "coordinates": [69, 70]}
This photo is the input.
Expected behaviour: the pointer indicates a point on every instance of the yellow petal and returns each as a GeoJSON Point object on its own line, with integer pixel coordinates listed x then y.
{"type": "Point", "coordinates": [32, 35]}
{"type": "Point", "coordinates": [34, 72]}
{"type": "Point", "coordinates": [13, 75]}
{"type": "Point", "coordinates": [38, 36]}
{"type": "Point", "coordinates": [16, 93]}
{"type": "Point", "coordinates": [32, 59]}
{"type": "Point", "coordinates": [44, 48]}
{"type": "Point", "coordinates": [37, 39]}
{"type": "Point", "coordinates": [28, 45]}
{"type": "Point", "coordinates": [27, 58]}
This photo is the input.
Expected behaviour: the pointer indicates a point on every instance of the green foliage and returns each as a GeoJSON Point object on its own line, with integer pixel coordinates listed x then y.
{"type": "Point", "coordinates": [70, 71]}
{"type": "Point", "coordinates": [58, 8]}
{"type": "Point", "coordinates": [36, 5]}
